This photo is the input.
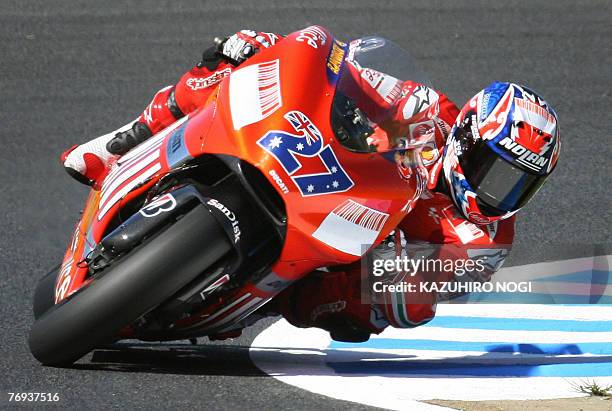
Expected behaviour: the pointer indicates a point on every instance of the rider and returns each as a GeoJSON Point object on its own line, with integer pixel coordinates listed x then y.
{"type": "Point", "coordinates": [484, 163]}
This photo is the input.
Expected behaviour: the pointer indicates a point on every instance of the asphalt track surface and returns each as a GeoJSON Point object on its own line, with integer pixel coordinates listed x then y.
{"type": "Point", "coordinates": [71, 70]}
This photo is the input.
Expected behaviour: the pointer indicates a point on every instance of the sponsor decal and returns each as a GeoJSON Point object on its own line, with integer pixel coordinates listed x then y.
{"type": "Point", "coordinates": [489, 99]}
{"type": "Point", "coordinates": [353, 46]}
{"type": "Point", "coordinates": [537, 114]}
{"type": "Point", "coordinates": [224, 279]}
{"type": "Point", "coordinates": [522, 155]}
{"type": "Point", "coordinates": [176, 150]}
{"type": "Point", "coordinates": [272, 283]}
{"type": "Point", "coordinates": [492, 258]}
{"type": "Point", "coordinates": [484, 104]}
{"type": "Point", "coordinates": [159, 205]}
{"type": "Point", "coordinates": [530, 136]}
{"type": "Point", "coordinates": [64, 279]}
{"type": "Point", "coordinates": [255, 93]}
{"type": "Point", "coordinates": [474, 127]}
{"type": "Point", "coordinates": [289, 150]}
{"type": "Point", "coordinates": [479, 218]}
{"type": "Point", "coordinates": [429, 153]}
{"type": "Point", "coordinates": [496, 120]}
{"type": "Point", "coordinates": [198, 83]}
{"type": "Point", "coordinates": [279, 181]}
{"type": "Point", "coordinates": [234, 312]}
{"type": "Point", "coordinates": [422, 131]}
{"type": "Point", "coordinates": [419, 100]}
{"type": "Point", "coordinates": [328, 308]}
{"type": "Point", "coordinates": [387, 87]}
{"type": "Point", "coordinates": [465, 230]}
{"type": "Point", "coordinates": [267, 39]}
{"type": "Point", "coordinates": [75, 239]}
{"type": "Point", "coordinates": [313, 36]}
{"type": "Point", "coordinates": [432, 212]}
{"type": "Point", "coordinates": [351, 227]}
{"type": "Point", "coordinates": [336, 57]}
{"type": "Point", "coordinates": [230, 216]}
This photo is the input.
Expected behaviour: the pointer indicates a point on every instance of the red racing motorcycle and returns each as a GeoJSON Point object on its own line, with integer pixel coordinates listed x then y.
{"type": "Point", "coordinates": [193, 231]}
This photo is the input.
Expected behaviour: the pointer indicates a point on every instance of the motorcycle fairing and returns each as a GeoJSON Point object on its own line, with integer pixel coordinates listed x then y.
{"type": "Point", "coordinates": [283, 98]}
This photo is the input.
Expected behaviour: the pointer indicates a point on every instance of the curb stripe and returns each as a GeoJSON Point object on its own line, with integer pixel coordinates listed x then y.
{"type": "Point", "coordinates": [446, 370]}
{"type": "Point", "coordinates": [601, 348]}
{"type": "Point", "coordinates": [492, 323]}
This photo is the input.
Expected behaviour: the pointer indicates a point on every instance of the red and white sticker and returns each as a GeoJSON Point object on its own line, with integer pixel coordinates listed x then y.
{"type": "Point", "coordinates": [313, 36]}
{"type": "Point", "coordinates": [133, 169]}
{"type": "Point", "coordinates": [255, 93]}
{"type": "Point", "coordinates": [389, 88]}
{"type": "Point", "coordinates": [351, 227]}
{"type": "Point", "coordinates": [198, 83]}
{"type": "Point", "coordinates": [466, 231]}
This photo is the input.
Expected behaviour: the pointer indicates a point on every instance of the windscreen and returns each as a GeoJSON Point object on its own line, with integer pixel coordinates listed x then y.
{"type": "Point", "coordinates": [368, 91]}
{"type": "Point", "coordinates": [385, 56]}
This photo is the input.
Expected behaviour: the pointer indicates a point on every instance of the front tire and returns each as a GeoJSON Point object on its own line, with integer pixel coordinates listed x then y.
{"type": "Point", "coordinates": [133, 286]}
{"type": "Point", "coordinates": [44, 295]}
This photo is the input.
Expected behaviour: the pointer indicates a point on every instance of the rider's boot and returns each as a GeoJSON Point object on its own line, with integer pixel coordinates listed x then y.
{"type": "Point", "coordinates": [87, 162]}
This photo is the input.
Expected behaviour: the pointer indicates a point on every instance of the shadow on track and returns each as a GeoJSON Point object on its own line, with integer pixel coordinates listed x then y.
{"type": "Point", "coordinates": [173, 359]}
{"type": "Point", "coordinates": [226, 360]}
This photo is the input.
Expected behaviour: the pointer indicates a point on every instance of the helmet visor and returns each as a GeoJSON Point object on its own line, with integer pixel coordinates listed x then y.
{"type": "Point", "coordinates": [501, 187]}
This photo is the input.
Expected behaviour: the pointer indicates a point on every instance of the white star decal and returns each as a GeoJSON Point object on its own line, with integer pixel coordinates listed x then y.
{"type": "Point", "coordinates": [335, 184]}
{"type": "Point", "coordinates": [300, 146]}
{"type": "Point", "coordinates": [334, 169]}
{"type": "Point", "coordinates": [310, 188]}
{"type": "Point", "coordinates": [275, 142]}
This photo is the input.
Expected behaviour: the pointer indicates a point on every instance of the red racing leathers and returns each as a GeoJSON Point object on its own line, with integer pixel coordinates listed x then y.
{"type": "Point", "coordinates": [434, 229]}
{"type": "Point", "coordinates": [333, 299]}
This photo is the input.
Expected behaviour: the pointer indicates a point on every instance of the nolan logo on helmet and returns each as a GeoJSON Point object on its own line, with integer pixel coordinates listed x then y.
{"type": "Point", "coordinates": [525, 156]}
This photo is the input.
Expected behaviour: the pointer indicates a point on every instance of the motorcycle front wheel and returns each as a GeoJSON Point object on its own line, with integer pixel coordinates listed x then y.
{"type": "Point", "coordinates": [130, 288]}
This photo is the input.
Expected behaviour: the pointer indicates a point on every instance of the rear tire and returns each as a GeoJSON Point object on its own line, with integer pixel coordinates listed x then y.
{"type": "Point", "coordinates": [133, 286]}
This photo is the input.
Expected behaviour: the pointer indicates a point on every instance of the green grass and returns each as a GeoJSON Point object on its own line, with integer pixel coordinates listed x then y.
{"type": "Point", "coordinates": [594, 389]}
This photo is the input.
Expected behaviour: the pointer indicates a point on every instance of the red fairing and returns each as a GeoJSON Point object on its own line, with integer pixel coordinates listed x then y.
{"type": "Point", "coordinates": [296, 105]}
{"type": "Point", "coordinates": [253, 114]}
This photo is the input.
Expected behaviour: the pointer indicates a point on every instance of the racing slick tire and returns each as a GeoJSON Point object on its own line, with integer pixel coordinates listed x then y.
{"type": "Point", "coordinates": [137, 283]}
{"type": "Point", "coordinates": [44, 295]}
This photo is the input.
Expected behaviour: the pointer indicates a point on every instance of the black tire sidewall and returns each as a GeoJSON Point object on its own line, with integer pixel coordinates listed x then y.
{"type": "Point", "coordinates": [132, 287]}
{"type": "Point", "coordinates": [44, 294]}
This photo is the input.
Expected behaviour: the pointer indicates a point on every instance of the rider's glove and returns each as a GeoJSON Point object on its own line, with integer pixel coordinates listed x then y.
{"type": "Point", "coordinates": [244, 44]}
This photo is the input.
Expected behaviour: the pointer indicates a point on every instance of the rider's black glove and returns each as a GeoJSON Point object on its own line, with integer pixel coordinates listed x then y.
{"type": "Point", "coordinates": [124, 141]}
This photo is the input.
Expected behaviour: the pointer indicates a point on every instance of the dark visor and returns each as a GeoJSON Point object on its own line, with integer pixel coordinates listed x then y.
{"type": "Point", "coordinates": [501, 186]}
